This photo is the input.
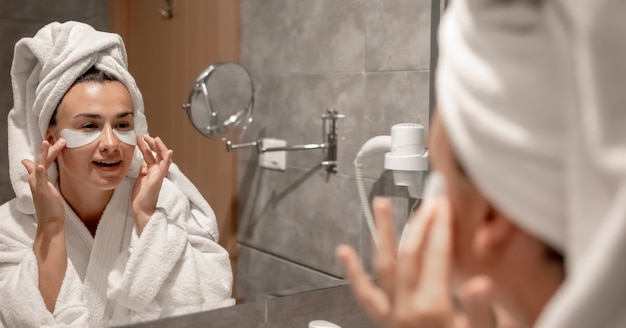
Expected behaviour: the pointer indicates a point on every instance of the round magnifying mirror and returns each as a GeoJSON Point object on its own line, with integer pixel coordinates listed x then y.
{"type": "Point", "coordinates": [221, 98]}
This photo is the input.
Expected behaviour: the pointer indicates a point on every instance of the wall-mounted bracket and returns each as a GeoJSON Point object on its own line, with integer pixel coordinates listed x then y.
{"type": "Point", "coordinates": [329, 132]}
{"type": "Point", "coordinates": [167, 13]}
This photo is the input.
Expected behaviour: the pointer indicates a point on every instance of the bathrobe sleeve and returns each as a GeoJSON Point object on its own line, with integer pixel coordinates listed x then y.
{"type": "Point", "coordinates": [174, 267]}
{"type": "Point", "coordinates": [21, 303]}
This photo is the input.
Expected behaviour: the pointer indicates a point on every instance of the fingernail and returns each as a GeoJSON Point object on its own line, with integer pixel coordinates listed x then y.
{"type": "Point", "coordinates": [379, 201]}
{"type": "Point", "coordinates": [340, 250]}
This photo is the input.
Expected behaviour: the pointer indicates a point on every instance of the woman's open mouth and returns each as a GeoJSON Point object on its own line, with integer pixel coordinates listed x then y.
{"type": "Point", "coordinates": [108, 164]}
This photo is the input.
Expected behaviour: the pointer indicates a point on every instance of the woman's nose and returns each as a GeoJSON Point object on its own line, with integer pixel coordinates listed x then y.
{"type": "Point", "coordinates": [108, 139]}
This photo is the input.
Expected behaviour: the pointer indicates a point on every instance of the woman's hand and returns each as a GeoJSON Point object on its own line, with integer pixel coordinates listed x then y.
{"type": "Point", "coordinates": [49, 245]}
{"type": "Point", "coordinates": [47, 199]}
{"type": "Point", "coordinates": [148, 185]}
{"type": "Point", "coordinates": [414, 280]}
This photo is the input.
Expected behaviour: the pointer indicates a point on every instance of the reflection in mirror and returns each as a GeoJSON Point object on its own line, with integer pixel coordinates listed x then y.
{"type": "Point", "coordinates": [222, 98]}
{"type": "Point", "coordinates": [278, 252]}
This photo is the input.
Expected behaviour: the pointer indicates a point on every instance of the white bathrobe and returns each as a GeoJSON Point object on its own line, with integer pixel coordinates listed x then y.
{"type": "Point", "coordinates": [175, 267]}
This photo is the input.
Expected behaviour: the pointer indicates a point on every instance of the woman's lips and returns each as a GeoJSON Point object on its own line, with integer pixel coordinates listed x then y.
{"type": "Point", "coordinates": [108, 165]}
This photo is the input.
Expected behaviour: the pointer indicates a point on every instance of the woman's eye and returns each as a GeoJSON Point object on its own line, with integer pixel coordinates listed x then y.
{"type": "Point", "coordinates": [89, 126]}
{"type": "Point", "coordinates": [125, 126]}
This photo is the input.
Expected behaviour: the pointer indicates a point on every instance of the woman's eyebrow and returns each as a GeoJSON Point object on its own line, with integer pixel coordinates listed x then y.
{"type": "Point", "coordinates": [98, 116]}
{"type": "Point", "coordinates": [120, 115]}
{"type": "Point", "coordinates": [94, 116]}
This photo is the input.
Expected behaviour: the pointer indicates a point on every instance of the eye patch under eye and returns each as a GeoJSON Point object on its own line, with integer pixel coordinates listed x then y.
{"type": "Point", "coordinates": [77, 139]}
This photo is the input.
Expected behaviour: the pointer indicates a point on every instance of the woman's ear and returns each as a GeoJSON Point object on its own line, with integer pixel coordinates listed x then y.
{"type": "Point", "coordinates": [492, 236]}
{"type": "Point", "coordinates": [50, 135]}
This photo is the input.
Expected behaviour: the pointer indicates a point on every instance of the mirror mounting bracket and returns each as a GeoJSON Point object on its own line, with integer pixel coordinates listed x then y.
{"type": "Point", "coordinates": [329, 131]}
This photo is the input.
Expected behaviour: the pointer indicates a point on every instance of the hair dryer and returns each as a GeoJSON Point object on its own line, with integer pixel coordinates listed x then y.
{"type": "Point", "coordinates": [405, 154]}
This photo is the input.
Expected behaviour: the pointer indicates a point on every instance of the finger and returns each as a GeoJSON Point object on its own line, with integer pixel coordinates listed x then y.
{"type": "Point", "coordinates": [161, 149]}
{"type": "Point", "coordinates": [167, 160]}
{"type": "Point", "coordinates": [42, 177]}
{"type": "Point", "coordinates": [42, 158]}
{"type": "Point", "coordinates": [386, 252]}
{"type": "Point", "coordinates": [409, 253]}
{"type": "Point", "coordinates": [383, 216]}
{"type": "Point", "coordinates": [372, 298]}
{"type": "Point", "coordinates": [503, 318]}
{"type": "Point", "coordinates": [144, 169]}
{"type": "Point", "coordinates": [475, 297]}
{"type": "Point", "coordinates": [143, 144]}
{"type": "Point", "coordinates": [55, 150]}
{"type": "Point", "coordinates": [164, 156]}
{"type": "Point", "coordinates": [140, 142]}
{"type": "Point", "coordinates": [435, 275]}
{"type": "Point", "coordinates": [152, 142]}
{"type": "Point", "coordinates": [29, 165]}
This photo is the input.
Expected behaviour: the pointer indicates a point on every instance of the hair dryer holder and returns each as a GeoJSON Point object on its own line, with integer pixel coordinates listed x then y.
{"type": "Point", "coordinates": [405, 170]}
{"type": "Point", "coordinates": [405, 154]}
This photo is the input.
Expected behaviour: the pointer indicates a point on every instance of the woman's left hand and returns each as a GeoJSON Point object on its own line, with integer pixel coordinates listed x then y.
{"type": "Point", "coordinates": [148, 185]}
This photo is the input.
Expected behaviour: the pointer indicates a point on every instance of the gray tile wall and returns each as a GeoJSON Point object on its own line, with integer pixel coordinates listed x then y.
{"type": "Point", "coordinates": [24, 18]}
{"type": "Point", "coordinates": [368, 59]}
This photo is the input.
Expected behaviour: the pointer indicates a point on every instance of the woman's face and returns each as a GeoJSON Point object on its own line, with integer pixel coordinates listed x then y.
{"type": "Point", "coordinates": [469, 207]}
{"type": "Point", "coordinates": [95, 107]}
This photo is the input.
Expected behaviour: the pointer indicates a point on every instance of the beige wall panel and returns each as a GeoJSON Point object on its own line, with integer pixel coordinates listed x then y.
{"type": "Point", "coordinates": [165, 56]}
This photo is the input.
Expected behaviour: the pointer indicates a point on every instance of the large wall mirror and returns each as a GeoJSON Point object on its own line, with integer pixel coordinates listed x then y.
{"type": "Point", "coordinates": [302, 58]}
{"type": "Point", "coordinates": [371, 60]}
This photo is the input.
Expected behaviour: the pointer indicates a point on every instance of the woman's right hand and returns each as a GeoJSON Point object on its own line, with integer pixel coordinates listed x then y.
{"type": "Point", "coordinates": [414, 280]}
{"type": "Point", "coordinates": [49, 245]}
{"type": "Point", "coordinates": [48, 200]}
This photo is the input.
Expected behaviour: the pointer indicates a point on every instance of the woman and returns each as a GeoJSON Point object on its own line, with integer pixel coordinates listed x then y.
{"type": "Point", "coordinates": [104, 229]}
{"type": "Point", "coordinates": [529, 141]}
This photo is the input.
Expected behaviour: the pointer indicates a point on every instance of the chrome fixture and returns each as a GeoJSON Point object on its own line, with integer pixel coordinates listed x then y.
{"type": "Point", "coordinates": [167, 13]}
{"type": "Point", "coordinates": [329, 132]}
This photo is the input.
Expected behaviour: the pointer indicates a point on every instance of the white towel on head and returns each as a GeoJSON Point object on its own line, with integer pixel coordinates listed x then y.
{"type": "Point", "coordinates": [44, 67]}
{"type": "Point", "coordinates": [531, 96]}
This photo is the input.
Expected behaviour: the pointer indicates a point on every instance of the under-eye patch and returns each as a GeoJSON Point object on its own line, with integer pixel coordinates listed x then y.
{"type": "Point", "coordinates": [75, 139]}
{"type": "Point", "coordinates": [127, 137]}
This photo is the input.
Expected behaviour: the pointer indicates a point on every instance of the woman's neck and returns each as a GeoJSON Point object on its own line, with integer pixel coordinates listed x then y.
{"type": "Point", "coordinates": [88, 204]}
{"type": "Point", "coordinates": [526, 291]}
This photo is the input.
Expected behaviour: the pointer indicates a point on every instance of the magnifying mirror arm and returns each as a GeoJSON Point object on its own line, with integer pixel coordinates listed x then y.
{"type": "Point", "coordinates": [258, 144]}
{"type": "Point", "coordinates": [330, 146]}
{"type": "Point", "coordinates": [230, 146]}
{"type": "Point", "coordinates": [295, 147]}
